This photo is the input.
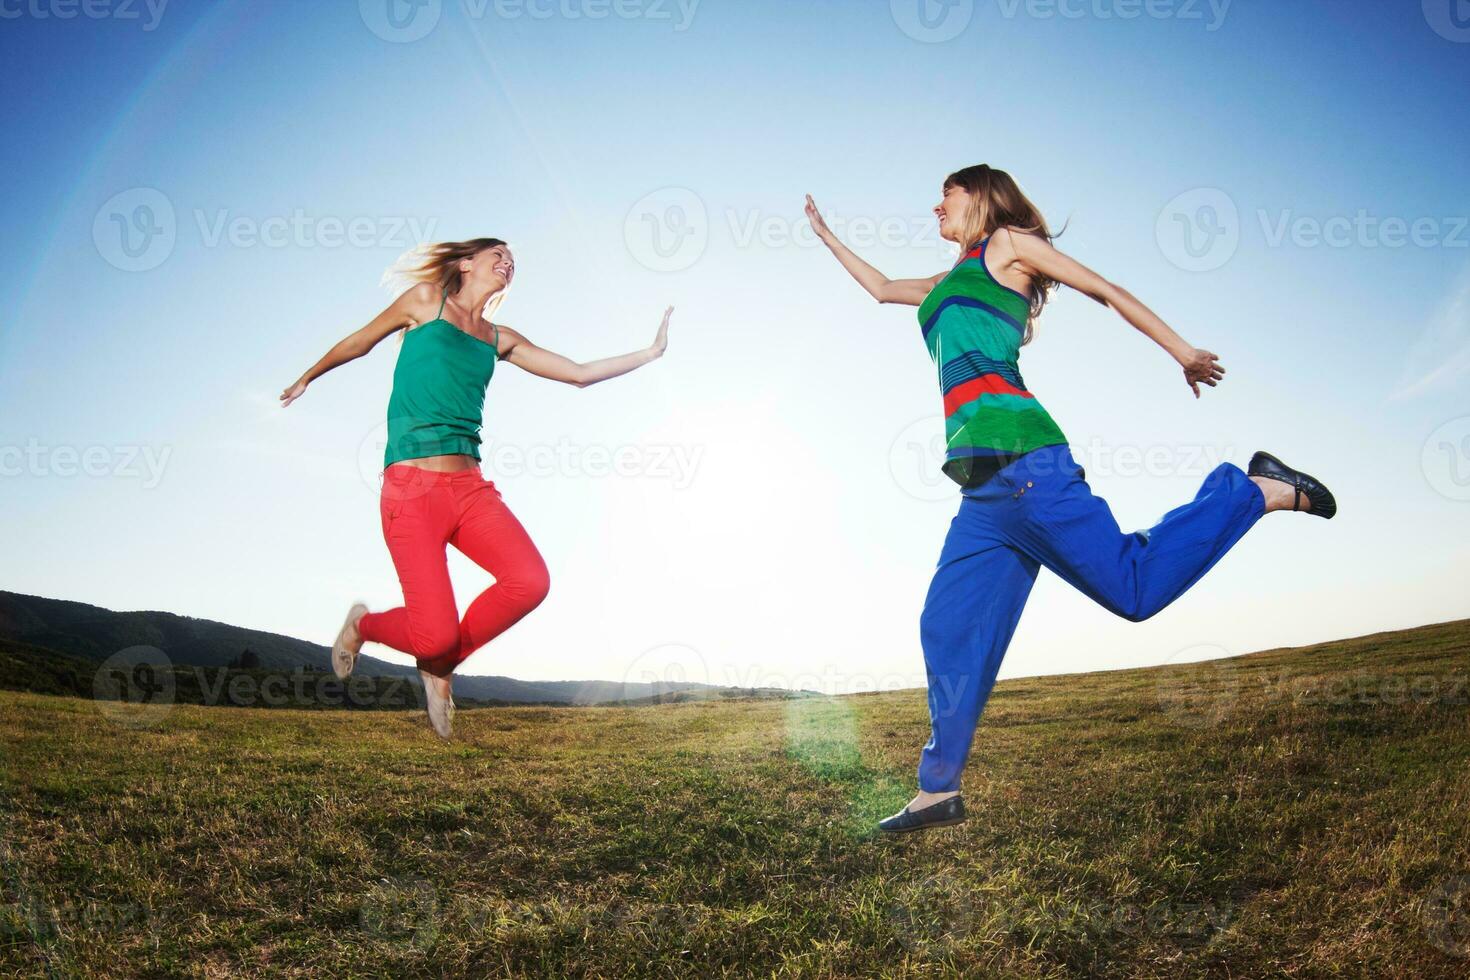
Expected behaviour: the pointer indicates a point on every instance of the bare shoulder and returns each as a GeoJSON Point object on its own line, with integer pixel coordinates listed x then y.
{"type": "Point", "coordinates": [507, 339]}
{"type": "Point", "coordinates": [419, 301]}
{"type": "Point", "coordinates": [1010, 243]}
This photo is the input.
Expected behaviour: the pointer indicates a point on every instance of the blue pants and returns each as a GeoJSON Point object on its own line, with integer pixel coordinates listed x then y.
{"type": "Point", "coordinates": [1040, 511]}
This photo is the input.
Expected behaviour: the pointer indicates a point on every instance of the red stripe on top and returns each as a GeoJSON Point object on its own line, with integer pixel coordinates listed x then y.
{"type": "Point", "coordinates": [986, 384]}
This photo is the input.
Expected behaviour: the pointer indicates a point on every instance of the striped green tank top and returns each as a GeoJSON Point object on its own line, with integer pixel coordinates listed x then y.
{"type": "Point", "coordinates": [974, 327]}
{"type": "Point", "coordinates": [438, 400]}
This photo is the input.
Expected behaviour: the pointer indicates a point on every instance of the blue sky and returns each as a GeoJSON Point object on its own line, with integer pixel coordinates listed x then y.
{"type": "Point", "coordinates": [773, 520]}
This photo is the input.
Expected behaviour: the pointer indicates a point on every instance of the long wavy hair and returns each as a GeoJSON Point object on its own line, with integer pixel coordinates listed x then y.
{"type": "Point", "coordinates": [996, 201]}
{"type": "Point", "coordinates": [438, 265]}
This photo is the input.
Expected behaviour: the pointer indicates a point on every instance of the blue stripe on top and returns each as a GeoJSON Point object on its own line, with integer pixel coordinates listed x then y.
{"type": "Point", "coordinates": [972, 364]}
{"type": "Point", "coordinates": [972, 303]}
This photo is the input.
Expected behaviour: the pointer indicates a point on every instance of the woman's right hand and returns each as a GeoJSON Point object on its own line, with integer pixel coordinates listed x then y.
{"type": "Point", "coordinates": [819, 224]}
{"type": "Point", "coordinates": [1201, 367]}
{"type": "Point", "coordinates": [292, 393]}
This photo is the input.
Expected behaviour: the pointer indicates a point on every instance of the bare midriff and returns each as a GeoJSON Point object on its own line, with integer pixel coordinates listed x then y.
{"type": "Point", "coordinates": [444, 464]}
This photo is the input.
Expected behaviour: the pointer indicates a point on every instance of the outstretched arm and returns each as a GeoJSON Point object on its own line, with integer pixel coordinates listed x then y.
{"type": "Point", "coordinates": [909, 292]}
{"type": "Point", "coordinates": [403, 312]}
{"type": "Point", "coordinates": [550, 365]}
{"type": "Point", "coordinates": [1035, 255]}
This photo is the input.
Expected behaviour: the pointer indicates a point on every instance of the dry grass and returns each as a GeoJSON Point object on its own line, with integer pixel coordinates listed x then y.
{"type": "Point", "coordinates": [1295, 813]}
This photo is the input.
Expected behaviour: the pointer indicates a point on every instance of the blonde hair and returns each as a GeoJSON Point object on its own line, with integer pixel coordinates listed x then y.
{"type": "Point", "coordinates": [438, 265]}
{"type": "Point", "coordinates": [996, 201]}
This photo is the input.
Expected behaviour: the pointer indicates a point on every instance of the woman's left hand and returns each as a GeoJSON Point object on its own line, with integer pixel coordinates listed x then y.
{"type": "Point", "coordinates": [292, 393]}
{"type": "Point", "coordinates": [1202, 367]}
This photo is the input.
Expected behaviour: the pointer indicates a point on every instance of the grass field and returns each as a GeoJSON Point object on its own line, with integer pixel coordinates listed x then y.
{"type": "Point", "coordinates": [1299, 813]}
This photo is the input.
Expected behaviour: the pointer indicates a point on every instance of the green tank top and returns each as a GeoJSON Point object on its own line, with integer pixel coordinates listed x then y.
{"type": "Point", "coordinates": [439, 383]}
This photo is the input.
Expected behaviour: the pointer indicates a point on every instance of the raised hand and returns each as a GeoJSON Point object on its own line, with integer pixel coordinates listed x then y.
{"type": "Point", "coordinates": [292, 393]}
{"type": "Point", "coordinates": [661, 342]}
{"type": "Point", "coordinates": [819, 224]}
{"type": "Point", "coordinates": [1202, 367]}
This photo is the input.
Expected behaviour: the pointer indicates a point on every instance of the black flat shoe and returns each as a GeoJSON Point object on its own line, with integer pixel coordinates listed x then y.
{"type": "Point", "coordinates": [945, 813]}
{"type": "Point", "coordinates": [1268, 466]}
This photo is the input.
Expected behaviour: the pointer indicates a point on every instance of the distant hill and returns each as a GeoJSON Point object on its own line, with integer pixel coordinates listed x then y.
{"type": "Point", "coordinates": [35, 627]}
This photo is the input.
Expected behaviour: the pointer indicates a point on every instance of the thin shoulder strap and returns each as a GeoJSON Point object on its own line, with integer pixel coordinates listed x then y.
{"type": "Point", "coordinates": [442, 297]}
{"type": "Point", "coordinates": [496, 328]}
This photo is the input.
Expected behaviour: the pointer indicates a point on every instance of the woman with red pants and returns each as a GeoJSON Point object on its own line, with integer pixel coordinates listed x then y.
{"type": "Point", "coordinates": [433, 492]}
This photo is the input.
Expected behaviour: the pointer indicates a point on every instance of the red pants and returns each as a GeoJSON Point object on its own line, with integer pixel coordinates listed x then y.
{"type": "Point", "coordinates": [423, 511]}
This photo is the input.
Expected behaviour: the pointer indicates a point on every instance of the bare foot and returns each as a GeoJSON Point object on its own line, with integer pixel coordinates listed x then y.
{"type": "Point", "coordinates": [349, 643]}
{"type": "Point", "coordinates": [439, 700]}
{"type": "Point", "coordinates": [1280, 495]}
{"type": "Point", "coordinates": [924, 800]}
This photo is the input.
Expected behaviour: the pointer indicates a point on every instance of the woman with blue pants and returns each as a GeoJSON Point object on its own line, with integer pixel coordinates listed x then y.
{"type": "Point", "coordinates": [1025, 501]}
